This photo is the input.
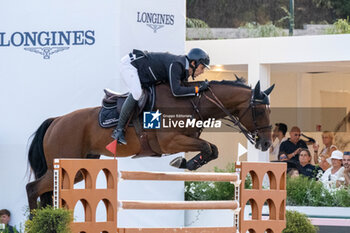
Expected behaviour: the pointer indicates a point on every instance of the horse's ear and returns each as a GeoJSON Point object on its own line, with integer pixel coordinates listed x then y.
{"type": "Point", "coordinates": [269, 90]}
{"type": "Point", "coordinates": [257, 93]}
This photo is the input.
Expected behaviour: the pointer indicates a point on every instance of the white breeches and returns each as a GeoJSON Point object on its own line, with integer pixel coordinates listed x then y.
{"type": "Point", "coordinates": [131, 78]}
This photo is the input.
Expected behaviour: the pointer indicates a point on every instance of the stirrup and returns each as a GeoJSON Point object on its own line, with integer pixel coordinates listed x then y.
{"type": "Point", "coordinates": [119, 136]}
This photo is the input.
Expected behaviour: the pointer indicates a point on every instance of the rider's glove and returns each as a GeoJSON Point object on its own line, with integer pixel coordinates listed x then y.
{"type": "Point", "coordinates": [204, 86]}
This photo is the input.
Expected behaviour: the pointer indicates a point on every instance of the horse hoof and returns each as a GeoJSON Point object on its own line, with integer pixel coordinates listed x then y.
{"type": "Point", "coordinates": [179, 162]}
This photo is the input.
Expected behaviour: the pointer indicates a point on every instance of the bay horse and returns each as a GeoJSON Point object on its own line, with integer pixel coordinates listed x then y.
{"type": "Point", "coordinates": [78, 134]}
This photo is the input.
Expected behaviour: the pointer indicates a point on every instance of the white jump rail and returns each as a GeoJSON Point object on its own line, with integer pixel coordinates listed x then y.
{"type": "Point", "coordinates": [178, 205]}
{"type": "Point", "coordinates": [179, 176]}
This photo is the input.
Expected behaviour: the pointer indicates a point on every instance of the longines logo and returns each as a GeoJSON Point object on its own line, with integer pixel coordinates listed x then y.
{"type": "Point", "coordinates": [47, 43]}
{"type": "Point", "coordinates": [154, 20]}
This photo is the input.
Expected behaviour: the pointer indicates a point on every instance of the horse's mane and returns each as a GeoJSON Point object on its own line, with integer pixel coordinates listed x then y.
{"type": "Point", "coordinates": [239, 82]}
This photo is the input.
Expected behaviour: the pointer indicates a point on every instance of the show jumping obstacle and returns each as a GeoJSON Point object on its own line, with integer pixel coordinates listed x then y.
{"type": "Point", "coordinates": [65, 171]}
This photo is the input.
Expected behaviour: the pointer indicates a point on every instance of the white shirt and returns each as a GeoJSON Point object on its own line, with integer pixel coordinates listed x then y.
{"type": "Point", "coordinates": [329, 179]}
{"type": "Point", "coordinates": [276, 148]}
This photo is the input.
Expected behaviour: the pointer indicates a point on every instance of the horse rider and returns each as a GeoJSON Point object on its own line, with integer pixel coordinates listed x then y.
{"type": "Point", "coordinates": [144, 69]}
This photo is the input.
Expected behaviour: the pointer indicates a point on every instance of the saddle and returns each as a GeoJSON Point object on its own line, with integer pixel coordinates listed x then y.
{"type": "Point", "coordinates": [112, 104]}
{"type": "Point", "coordinates": [109, 115]}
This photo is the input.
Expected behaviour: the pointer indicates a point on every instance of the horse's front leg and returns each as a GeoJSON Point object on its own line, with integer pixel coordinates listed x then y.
{"type": "Point", "coordinates": [202, 158]}
{"type": "Point", "coordinates": [183, 143]}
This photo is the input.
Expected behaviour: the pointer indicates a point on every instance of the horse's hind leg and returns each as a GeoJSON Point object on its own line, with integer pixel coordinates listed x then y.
{"type": "Point", "coordinates": [39, 187]}
{"type": "Point", "coordinates": [31, 194]}
{"type": "Point", "coordinates": [207, 150]}
{"type": "Point", "coordinates": [46, 199]}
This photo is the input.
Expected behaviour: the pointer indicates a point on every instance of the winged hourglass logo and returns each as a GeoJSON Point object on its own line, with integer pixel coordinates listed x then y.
{"type": "Point", "coordinates": [46, 51]}
{"type": "Point", "coordinates": [155, 27]}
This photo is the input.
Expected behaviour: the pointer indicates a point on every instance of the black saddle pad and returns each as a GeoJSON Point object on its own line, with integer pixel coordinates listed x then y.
{"type": "Point", "coordinates": [108, 117]}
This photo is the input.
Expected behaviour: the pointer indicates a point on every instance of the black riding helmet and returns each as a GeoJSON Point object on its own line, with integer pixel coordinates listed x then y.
{"type": "Point", "coordinates": [199, 56]}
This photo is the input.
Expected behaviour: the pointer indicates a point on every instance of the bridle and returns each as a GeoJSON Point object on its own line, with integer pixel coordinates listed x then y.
{"type": "Point", "coordinates": [252, 136]}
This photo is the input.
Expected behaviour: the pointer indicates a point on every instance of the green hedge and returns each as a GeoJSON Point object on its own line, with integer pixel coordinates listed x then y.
{"type": "Point", "coordinates": [341, 26]}
{"type": "Point", "coordinates": [195, 23]}
{"type": "Point", "coordinates": [49, 220]}
{"type": "Point", "coordinates": [298, 223]}
{"type": "Point", "coordinates": [200, 191]}
{"type": "Point", "coordinates": [266, 30]}
{"type": "Point", "coordinates": [301, 191]}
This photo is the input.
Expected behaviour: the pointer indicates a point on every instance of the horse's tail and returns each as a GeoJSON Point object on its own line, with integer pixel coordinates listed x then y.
{"type": "Point", "coordinates": [36, 156]}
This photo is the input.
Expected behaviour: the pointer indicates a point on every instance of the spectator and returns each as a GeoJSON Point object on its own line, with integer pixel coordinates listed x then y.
{"type": "Point", "coordinates": [346, 164]}
{"type": "Point", "coordinates": [5, 217]}
{"type": "Point", "coordinates": [335, 172]}
{"type": "Point", "coordinates": [305, 167]}
{"type": "Point", "coordinates": [292, 173]}
{"type": "Point", "coordinates": [321, 158]}
{"type": "Point", "coordinates": [279, 136]}
{"type": "Point", "coordinates": [290, 149]}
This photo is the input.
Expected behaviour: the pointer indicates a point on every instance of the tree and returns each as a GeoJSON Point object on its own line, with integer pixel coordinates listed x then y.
{"type": "Point", "coordinates": [341, 8]}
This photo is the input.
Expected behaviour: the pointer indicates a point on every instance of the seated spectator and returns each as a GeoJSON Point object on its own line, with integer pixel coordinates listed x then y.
{"type": "Point", "coordinates": [290, 149]}
{"type": "Point", "coordinates": [279, 136]}
{"type": "Point", "coordinates": [321, 158]}
{"type": "Point", "coordinates": [5, 217]}
{"type": "Point", "coordinates": [335, 172]}
{"type": "Point", "coordinates": [346, 164]}
{"type": "Point", "coordinates": [305, 167]}
{"type": "Point", "coordinates": [292, 173]}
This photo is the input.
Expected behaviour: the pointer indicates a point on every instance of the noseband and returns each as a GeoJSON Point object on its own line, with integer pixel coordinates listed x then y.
{"type": "Point", "coordinates": [252, 136]}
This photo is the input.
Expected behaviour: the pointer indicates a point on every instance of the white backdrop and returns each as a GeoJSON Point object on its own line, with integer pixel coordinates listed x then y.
{"type": "Point", "coordinates": [76, 69]}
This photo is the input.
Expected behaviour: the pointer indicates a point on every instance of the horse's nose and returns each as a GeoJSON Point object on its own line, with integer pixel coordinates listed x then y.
{"type": "Point", "coordinates": [266, 145]}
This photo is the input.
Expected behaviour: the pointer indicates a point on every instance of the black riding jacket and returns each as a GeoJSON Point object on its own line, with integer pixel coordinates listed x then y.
{"type": "Point", "coordinates": [154, 68]}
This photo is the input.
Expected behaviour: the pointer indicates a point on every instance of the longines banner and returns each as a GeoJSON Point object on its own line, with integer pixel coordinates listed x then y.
{"type": "Point", "coordinates": [56, 57]}
{"type": "Point", "coordinates": [47, 43]}
{"type": "Point", "coordinates": [161, 23]}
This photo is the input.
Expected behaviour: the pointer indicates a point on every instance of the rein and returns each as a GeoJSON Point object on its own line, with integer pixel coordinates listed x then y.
{"type": "Point", "coordinates": [251, 136]}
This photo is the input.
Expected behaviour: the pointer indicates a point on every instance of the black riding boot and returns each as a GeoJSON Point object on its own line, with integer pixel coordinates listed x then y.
{"type": "Point", "coordinates": [126, 111]}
